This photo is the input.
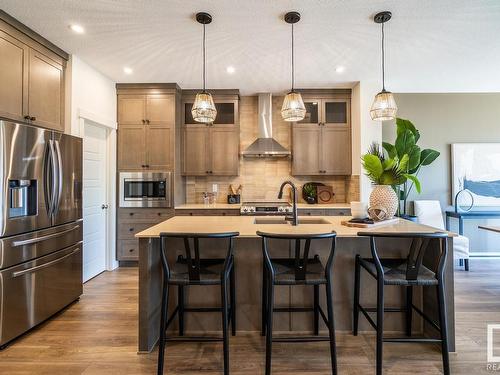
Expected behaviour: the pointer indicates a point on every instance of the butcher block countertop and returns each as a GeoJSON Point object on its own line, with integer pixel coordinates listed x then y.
{"type": "Point", "coordinates": [247, 227]}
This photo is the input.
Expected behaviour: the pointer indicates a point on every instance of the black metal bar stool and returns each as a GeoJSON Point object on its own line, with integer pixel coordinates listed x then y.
{"type": "Point", "coordinates": [190, 269]}
{"type": "Point", "coordinates": [300, 270]}
{"type": "Point", "coordinates": [407, 272]}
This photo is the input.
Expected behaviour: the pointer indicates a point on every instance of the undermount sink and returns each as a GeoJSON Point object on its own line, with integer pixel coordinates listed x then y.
{"type": "Point", "coordinates": [280, 220]}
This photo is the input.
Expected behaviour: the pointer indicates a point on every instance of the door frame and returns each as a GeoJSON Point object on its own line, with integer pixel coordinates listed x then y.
{"type": "Point", "coordinates": [110, 127]}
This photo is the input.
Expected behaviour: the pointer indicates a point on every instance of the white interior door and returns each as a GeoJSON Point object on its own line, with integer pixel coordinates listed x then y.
{"type": "Point", "coordinates": [94, 200]}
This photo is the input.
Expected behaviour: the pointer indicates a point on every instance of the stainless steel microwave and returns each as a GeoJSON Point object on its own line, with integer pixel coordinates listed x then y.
{"type": "Point", "coordinates": [145, 189]}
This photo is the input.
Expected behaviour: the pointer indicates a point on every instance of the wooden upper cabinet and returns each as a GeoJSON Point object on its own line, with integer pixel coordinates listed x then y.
{"type": "Point", "coordinates": [322, 141]}
{"type": "Point", "coordinates": [224, 144]}
{"type": "Point", "coordinates": [160, 109]}
{"type": "Point", "coordinates": [335, 151]}
{"type": "Point", "coordinates": [13, 76]}
{"type": "Point", "coordinates": [306, 140]}
{"type": "Point", "coordinates": [131, 147]}
{"type": "Point", "coordinates": [195, 151]}
{"type": "Point", "coordinates": [159, 147]}
{"type": "Point", "coordinates": [45, 91]}
{"type": "Point", "coordinates": [131, 109]}
{"type": "Point", "coordinates": [212, 149]}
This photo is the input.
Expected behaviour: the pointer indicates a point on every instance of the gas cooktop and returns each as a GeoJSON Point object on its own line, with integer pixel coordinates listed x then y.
{"type": "Point", "coordinates": [265, 208]}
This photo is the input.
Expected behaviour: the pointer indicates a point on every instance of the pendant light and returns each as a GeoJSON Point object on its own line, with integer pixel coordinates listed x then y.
{"type": "Point", "coordinates": [204, 108]}
{"type": "Point", "coordinates": [384, 106]}
{"type": "Point", "coordinates": [293, 108]}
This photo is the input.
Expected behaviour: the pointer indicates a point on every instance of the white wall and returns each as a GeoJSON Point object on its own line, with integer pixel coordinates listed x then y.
{"type": "Point", "coordinates": [92, 96]}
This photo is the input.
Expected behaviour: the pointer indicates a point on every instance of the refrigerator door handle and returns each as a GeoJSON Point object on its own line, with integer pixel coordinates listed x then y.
{"type": "Point", "coordinates": [53, 158]}
{"type": "Point", "coordinates": [59, 178]}
{"type": "Point", "coordinates": [48, 264]}
{"type": "Point", "coordinates": [43, 238]}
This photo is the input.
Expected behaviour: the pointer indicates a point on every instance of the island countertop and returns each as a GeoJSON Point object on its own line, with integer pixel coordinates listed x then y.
{"type": "Point", "coordinates": [247, 227]}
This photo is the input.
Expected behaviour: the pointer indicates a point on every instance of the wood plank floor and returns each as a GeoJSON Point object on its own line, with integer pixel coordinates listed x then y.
{"type": "Point", "coordinates": [98, 335]}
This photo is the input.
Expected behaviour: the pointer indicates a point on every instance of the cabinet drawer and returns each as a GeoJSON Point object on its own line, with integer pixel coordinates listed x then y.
{"type": "Point", "coordinates": [127, 231]}
{"type": "Point", "coordinates": [127, 250]}
{"type": "Point", "coordinates": [144, 214]}
{"type": "Point", "coordinates": [338, 212]}
{"type": "Point", "coordinates": [208, 212]}
{"type": "Point", "coordinates": [311, 212]}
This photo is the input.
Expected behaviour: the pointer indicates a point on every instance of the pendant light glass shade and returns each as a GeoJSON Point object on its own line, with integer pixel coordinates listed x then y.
{"type": "Point", "coordinates": [204, 108]}
{"type": "Point", "coordinates": [293, 108]}
{"type": "Point", "coordinates": [384, 107]}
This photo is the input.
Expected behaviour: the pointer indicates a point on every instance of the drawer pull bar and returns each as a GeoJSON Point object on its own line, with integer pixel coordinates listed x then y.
{"type": "Point", "coordinates": [43, 238]}
{"type": "Point", "coordinates": [48, 264]}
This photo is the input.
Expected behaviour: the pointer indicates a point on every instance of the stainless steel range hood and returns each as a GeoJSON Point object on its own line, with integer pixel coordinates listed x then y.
{"type": "Point", "coordinates": [265, 146]}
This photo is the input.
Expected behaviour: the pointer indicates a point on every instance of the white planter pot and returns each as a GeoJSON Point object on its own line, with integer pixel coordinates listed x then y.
{"type": "Point", "coordinates": [384, 198]}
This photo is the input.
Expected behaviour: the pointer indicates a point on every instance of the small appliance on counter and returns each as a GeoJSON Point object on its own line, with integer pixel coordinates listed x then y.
{"type": "Point", "coordinates": [235, 195]}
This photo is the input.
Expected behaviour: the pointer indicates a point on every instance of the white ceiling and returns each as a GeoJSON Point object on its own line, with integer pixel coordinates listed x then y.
{"type": "Point", "coordinates": [432, 45]}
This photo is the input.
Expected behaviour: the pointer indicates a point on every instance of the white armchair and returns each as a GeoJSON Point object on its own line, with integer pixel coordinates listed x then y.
{"type": "Point", "coordinates": [429, 213]}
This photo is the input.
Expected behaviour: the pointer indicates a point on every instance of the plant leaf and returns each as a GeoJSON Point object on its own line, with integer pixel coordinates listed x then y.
{"type": "Point", "coordinates": [373, 167]}
{"type": "Point", "coordinates": [414, 156]}
{"type": "Point", "coordinates": [428, 155]}
{"type": "Point", "coordinates": [388, 164]}
{"type": "Point", "coordinates": [403, 163]}
{"type": "Point", "coordinates": [391, 149]}
{"type": "Point", "coordinates": [415, 180]}
{"type": "Point", "coordinates": [403, 125]}
{"type": "Point", "coordinates": [404, 143]}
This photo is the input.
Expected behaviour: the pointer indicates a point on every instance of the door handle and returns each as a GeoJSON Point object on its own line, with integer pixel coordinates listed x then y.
{"type": "Point", "coordinates": [104, 206]}
{"type": "Point", "coordinates": [48, 264]}
{"type": "Point", "coordinates": [59, 175]}
{"type": "Point", "coordinates": [43, 238]}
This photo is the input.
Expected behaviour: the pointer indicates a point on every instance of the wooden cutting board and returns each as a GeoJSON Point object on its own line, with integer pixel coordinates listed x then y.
{"type": "Point", "coordinates": [374, 225]}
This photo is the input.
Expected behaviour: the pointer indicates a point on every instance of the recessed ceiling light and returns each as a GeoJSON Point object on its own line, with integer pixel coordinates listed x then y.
{"type": "Point", "coordinates": [77, 28]}
{"type": "Point", "coordinates": [340, 69]}
{"type": "Point", "coordinates": [127, 70]}
{"type": "Point", "coordinates": [230, 69]}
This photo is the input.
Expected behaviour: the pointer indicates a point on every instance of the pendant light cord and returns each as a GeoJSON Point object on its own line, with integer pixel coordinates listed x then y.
{"type": "Point", "coordinates": [204, 52]}
{"type": "Point", "coordinates": [383, 60]}
{"type": "Point", "coordinates": [293, 63]}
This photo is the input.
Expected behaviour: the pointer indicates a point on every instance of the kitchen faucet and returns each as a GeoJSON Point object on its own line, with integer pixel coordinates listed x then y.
{"type": "Point", "coordinates": [294, 219]}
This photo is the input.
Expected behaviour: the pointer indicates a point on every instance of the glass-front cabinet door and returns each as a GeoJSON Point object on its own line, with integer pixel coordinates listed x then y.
{"type": "Point", "coordinates": [313, 112]}
{"type": "Point", "coordinates": [226, 113]}
{"type": "Point", "coordinates": [336, 112]}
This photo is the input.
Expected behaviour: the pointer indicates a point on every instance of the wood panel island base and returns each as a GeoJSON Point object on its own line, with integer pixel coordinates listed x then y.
{"type": "Point", "coordinates": [248, 261]}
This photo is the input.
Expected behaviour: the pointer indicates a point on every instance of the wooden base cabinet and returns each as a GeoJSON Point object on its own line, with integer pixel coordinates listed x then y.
{"type": "Point", "coordinates": [321, 142]}
{"type": "Point", "coordinates": [132, 221]}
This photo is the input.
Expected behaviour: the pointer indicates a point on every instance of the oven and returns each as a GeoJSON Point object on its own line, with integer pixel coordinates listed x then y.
{"type": "Point", "coordinates": [145, 189]}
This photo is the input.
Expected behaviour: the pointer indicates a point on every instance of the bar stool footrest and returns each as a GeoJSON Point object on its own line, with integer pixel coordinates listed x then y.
{"type": "Point", "coordinates": [301, 339]}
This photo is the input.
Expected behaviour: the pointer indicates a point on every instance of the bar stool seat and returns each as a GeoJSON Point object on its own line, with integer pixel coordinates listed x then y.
{"type": "Point", "coordinates": [285, 272]}
{"type": "Point", "coordinates": [211, 272]}
{"type": "Point", "coordinates": [395, 272]}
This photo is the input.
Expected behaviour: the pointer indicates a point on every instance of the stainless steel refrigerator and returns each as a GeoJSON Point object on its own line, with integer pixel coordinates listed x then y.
{"type": "Point", "coordinates": [41, 225]}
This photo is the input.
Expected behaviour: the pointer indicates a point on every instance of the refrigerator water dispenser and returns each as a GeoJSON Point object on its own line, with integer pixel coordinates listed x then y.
{"type": "Point", "coordinates": [22, 198]}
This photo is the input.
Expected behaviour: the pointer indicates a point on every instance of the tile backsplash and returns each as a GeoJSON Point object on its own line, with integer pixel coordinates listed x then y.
{"type": "Point", "coordinates": [262, 177]}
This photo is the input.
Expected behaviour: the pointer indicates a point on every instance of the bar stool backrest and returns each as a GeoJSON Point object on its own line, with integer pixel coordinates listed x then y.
{"type": "Point", "coordinates": [419, 245]}
{"type": "Point", "coordinates": [192, 253]}
{"type": "Point", "coordinates": [300, 257]}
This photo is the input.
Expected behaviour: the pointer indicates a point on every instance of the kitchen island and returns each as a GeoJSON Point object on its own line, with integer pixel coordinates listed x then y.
{"type": "Point", "coordinates": [248, 261]}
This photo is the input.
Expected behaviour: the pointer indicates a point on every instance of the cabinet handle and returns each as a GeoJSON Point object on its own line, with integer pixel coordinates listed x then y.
{"type": "Point", "coordinates": [131, 250]}
{"type": "Point", "coordinates": [211, 172]}
{"type": "Point", "coordinates": [131, 214]}
{"type": "Point", "coordinates": [147, 121]}
{"type": "Point", "coordinates": [33, 118]}
{"type": "Point", "coordinates": [159, 213]}
{"type": "Point", "coordinates": [131, 229]}
{"type": "Point", "coordinates": [27, 117]}
{"type": "Point", "coordinates": [147, 165]}
{"type": "Point", "coordinates": [143, 121]}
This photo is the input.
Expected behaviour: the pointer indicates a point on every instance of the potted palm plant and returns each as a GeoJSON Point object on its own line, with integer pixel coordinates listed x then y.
{"type": "Point", "coordinates": [384, 171]}
{"type": "Point", "coordinates": [406, 144]}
